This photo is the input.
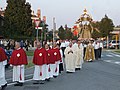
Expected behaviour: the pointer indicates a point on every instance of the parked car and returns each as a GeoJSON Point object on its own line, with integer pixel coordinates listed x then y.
{"type": "Point", "coordinates": [104, 44]}
{"type": "Point", "coordinates": [113, 44]}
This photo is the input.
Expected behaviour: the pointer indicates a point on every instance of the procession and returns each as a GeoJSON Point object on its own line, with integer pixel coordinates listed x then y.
{"type": "Point", "coordinates": [50, 61]}
{"type": "Point", "coordinates": [59, 45]}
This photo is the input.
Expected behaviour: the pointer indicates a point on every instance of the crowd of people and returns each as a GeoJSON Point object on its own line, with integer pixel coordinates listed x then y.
{"type": "Point", "coordinates": [50, 59]}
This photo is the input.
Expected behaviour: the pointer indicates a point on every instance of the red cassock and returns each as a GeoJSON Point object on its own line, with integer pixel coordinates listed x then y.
{"type": "Point", "coordinates": [56, 54]}
{"type": "Point", "coordinates": [3, 55]}
{"type": "Point", "coordinates": [40, 57]}
{"type": "Point", "coordinates": [18, 57]}
{"type": "Point", "coordinates": [50, 57]}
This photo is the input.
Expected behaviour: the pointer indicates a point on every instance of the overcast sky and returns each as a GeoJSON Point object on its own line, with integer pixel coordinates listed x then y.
{"type": "Point", "coordinates": [68, 11]}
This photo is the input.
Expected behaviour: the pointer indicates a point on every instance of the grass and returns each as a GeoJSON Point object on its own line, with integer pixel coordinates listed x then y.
{"type": "Point", "coordinates": [30, 64]}
{"type": "Point", "coordinates": [30, 53]}
{"type": "Point", "coordinates": [117, 51]}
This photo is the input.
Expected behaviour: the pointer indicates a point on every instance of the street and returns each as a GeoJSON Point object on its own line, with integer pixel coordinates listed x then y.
{"type": "Point", "coordinates": [102, 74]}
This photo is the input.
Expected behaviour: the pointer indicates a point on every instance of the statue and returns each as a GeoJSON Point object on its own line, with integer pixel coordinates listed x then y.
{"type": "Point", "coordinates": [84, 26]}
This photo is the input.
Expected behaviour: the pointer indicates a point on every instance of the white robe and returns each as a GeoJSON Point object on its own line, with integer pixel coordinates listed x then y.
{"type": "Point", "coordinates": [2, 73]}
{"type": "Point", "coordinates": [56, 65]}
{"type": "Point", "coordinates": [18, 73]}
{"type": "Point", "coordinates": [49, 74]}
{"type": "Point", "coordinates": [69, 60]}
{"type": "Point", "coordinates": [78, 56]}
{"type": "Point", "coordinates": [38, 70]}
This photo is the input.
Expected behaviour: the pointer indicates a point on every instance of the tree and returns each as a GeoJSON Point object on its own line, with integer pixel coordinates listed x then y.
{"type": "Point", "coordinates": [96, 32]}
{"type": "Point", "coordinates": [106, 26]}
{"type": "Point", "coordinates": [65, 33]}
{"type": "Point", "coordinates": [68, 34]}
{"type": "Point", "coordinates": [18, 21]}
{"type": "Point", "coordinates": [61, 33]}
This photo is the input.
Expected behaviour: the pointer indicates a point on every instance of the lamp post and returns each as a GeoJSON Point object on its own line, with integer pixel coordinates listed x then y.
{"type": "Point", "coordinates": [54, 28]}
{"type": "Point", "coordinates": [37, 22]}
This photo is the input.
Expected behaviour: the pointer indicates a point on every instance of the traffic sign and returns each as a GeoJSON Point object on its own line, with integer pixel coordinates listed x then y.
{"type": "Point", "coordinates": [38, 27]}
{"type": "Point", "coordinates": [37, 22]}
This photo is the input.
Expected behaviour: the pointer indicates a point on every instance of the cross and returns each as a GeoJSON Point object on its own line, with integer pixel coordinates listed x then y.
{"type": "Point", "coordinates": [18, 55]}
{"type": "Point", "coordinates": [40, 54]}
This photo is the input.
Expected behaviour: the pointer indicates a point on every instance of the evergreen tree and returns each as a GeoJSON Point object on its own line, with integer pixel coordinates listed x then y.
{"type": "Point", "coordinates": [65, 33]}
{"type": "Point", "coordinates": [18, 21]}
{"type": "Point", "coordinates": [96, 32]}
{"type": "Point", "coordinates": [61, 33]}
{"type": "Point", "coordinates": [68, 33]}
{"type": "Point", "coordinates": [106, 26]}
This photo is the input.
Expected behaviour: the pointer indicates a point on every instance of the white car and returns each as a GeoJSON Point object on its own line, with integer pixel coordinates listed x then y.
{"type": "Point", "coordinates": [113, 44]}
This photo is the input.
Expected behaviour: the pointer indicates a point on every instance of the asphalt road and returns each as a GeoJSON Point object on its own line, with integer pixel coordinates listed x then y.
{"type": "Point", "coordinates": [102, 74]}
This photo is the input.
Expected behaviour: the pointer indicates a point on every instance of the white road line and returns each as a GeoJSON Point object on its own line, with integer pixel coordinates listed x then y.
{"type": "Point", "coordinates": [117, 63]}
{"type": "Point", "coordinates": [117, 55]}
{"type": "Point", "coordinates": [108, 61]}
{"type": "Point", "coordinates": [113, 62]}
{"type": "Point", "coordinates": [25, 69]}
{"type": "Point", "coordinates": [109, 55]}
{"type": "Point", "coordinates": [25, 81]}
{"type": "Point", "coordinates": [25, 77]}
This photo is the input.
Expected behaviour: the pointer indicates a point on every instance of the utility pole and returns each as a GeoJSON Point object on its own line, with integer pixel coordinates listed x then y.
{"type": "Point", "coordinates": [54, 27]}
{"type": "Point", "coordinates": [119, 40]}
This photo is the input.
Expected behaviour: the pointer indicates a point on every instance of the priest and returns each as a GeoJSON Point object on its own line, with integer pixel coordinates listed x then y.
{"type": "Point", "coordinates": [89, 54]}
{"type": "Point", "coordinates": [18, 60]}
{"type": "Point", "coordinates": [40, 62]}
{"type": "Point", "coordinates": [3, 62]}
{"type": "Point", "coordinates": [78, 55]}
{"type": "Point", "coordinates": [70, 59]}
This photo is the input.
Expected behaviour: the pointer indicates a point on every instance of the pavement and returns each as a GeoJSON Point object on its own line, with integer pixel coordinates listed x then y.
{"type": "Point", "coordinates": [101, 74]}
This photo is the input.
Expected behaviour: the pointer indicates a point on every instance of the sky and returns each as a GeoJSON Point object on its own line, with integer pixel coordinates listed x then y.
{"type": "Point", "coordinates": [68, 11]}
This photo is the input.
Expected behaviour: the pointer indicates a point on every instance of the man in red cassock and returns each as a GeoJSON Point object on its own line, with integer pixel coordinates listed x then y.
{"type": "Point", "coordinates": [18, 60]}
{"type": "Point", "coordinates": [50, 63]}
{"type": "Point", "coordinates": [57, 59]}
{"type": "Point", "coordinates": [40, 62]}
{"type": "Point", "coordinates": [3, 62]}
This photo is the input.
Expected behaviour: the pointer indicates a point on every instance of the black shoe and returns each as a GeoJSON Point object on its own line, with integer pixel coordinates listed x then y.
{"type": "Point", "coordinates": [55, 76]}
{"type": "Point", "coordinates": [37, 82]}
{"type": "Point", "coordinates": [47, 79]}
{"type": "Point", "coordinates": [18, 84]}
{"type": "Point", "coordinates": [4, 86]}
{"type": "Point", "coordinates": [69, 72]}
{"type": "Point", "coordinates": [42, 82]}
{"type": "Point", "coordinates": [76, 69]}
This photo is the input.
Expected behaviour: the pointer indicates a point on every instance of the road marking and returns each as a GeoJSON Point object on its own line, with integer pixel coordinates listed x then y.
{"type": "Point", "coordinates": [113, 62]}
{"type": "Point", "coordinates": [25, 77]}
{"type": "Point", "coordinates": [117, 55]}
{"type": "Point", "coordinates": [25, 81]}
{"type": "Point", "coordinates": [109, 55]}
{"type": "Point", "coordinates": [117, 63]}
{"type": "Point", "coordinates": [107, 60]}
{"type": "Point", "coordinates": [8, 71]}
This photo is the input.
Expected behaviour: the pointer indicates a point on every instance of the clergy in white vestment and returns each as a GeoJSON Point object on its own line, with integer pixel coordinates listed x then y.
{"type": "Point", "coordinates": [69, 59]}
{"type": "Point", "coordinates": [3, 62]}
{"type": "Point", "coordinates": [78, 55]}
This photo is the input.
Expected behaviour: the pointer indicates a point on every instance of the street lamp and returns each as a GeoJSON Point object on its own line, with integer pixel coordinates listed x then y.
{"type": "Point", "coordinates": [37, 22]}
